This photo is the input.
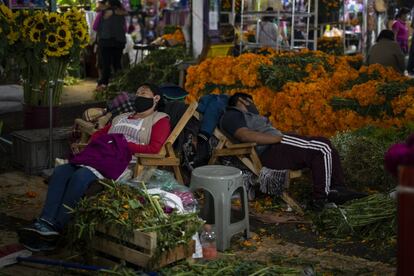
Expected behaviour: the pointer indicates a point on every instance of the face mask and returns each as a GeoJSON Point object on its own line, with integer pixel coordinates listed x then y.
{"type": "Point", "coordinates": [252, 109]}
{"type": "Point", "coordinates": [143, 104]}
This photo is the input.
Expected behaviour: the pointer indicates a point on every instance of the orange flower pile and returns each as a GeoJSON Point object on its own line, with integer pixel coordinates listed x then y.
{"type": "Point", "coordinates": [304, 107]}
{"type": "Point", "coordinates": [177, 37]}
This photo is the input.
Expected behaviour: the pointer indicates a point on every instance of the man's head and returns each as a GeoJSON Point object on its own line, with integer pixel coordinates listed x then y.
{"type": "Point", "coordinates": [243, 102]}
{"type": "Point", "coordinates": [386, 34]}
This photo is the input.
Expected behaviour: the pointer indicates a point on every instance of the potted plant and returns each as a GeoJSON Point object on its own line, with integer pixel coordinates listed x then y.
{"type": "Point", "coordinates": [43, 44]}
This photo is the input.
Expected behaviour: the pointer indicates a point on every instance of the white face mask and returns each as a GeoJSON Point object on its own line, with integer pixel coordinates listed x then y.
{"type": "Point", "coordinates": [134, 21]}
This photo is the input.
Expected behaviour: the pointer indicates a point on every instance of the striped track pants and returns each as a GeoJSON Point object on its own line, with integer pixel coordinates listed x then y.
{"type": "Point", "coordinates": [316, 153]}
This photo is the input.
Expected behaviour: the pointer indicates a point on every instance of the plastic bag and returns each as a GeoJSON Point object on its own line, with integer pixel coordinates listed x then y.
{"type": "Point", "coordinates": [165, 181]}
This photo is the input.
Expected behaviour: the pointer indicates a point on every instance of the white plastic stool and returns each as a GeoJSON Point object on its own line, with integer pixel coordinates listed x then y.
{"type": "Point", "coordinates": [221, 182]}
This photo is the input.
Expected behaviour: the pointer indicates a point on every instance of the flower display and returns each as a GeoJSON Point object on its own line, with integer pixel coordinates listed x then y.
{"type": "Point", "coordinates": [43, 44]}
{"type": "Point", "coordinates": [175, 38]}
{"type": "Point", "coordinates": [331, 45]}
{"type": "Point", "coordinates": [304, 93]}
{"type": "Point", "coordinates": [328, 8]}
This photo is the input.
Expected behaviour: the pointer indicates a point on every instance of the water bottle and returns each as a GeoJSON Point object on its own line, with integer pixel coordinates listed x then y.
{"type": "Point", "coordinates": [208, 243]}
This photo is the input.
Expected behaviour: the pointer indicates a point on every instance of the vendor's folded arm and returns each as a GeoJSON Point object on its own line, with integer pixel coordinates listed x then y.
{"type": "Point", "coordinates": [250, 136]}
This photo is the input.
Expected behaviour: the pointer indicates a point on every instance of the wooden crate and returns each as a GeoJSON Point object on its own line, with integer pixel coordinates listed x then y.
{"type": "Point", "coordinates": [139, 248]}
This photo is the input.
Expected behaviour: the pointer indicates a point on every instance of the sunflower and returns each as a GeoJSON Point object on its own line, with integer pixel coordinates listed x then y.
{"type": "Point", "coordinates": [63, 22]}
{"type": "Point", "coordinates": [7, 13]}
{"type": "Point", "coordinates": [53, 18]}
{"type": "Point", "coordinates": [80, 33]}
{"type": "Point", "coordinates": [12, 37]}
{"type": "Point", "coordinates": [34, 36]}
{"type": "Point", "coordinates": [69, 16]}
{"type": "Point", "coordinates": [63, 33]}
{"type": "Point", "coordinates": [52, 39]}
{"type": "Point", "coordinates": [52, 51]}
{"type": "Point", "coordinates": [28, 22]}
{"type": "Point", "coordinates": [62, 44]}
{"type": "Point", "coordinates": [40, 26]}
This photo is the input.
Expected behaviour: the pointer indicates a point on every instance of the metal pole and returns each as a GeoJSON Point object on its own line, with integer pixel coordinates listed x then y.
{"type": "Point", "coordinates": [241, 25]}
{"type": "Point", "coordinates": [344, 26]}
{"type": "Point", "coordinates": [315, 32]}
{"type": "Point", "coordinates": [364, 34]}
{"type": "Point", "coordinates": [292, 27]}
{"type": "Point", "coordinates": [51, 86]}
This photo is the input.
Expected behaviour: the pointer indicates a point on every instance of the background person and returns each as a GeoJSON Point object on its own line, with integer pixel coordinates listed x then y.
{"type": "Point", "coordinates": [111, 32]}
{"type": "Point", "coordinates": [386, 52]}
{"type": "Point", "coordinates": [268, 31]}
{"type": "Point", "coordinates": [410, 65]}
{"type": "Point", "coordinates": [400, 29]}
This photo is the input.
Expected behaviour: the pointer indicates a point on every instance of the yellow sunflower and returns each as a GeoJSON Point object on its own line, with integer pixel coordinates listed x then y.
{"type": "Point", "coordinates": [64, 45]}
{"type": "Point", "coordinates": [28, 22]}
{"type": "Point", "coordinates": [63, 33]}
{"type": "Point", "coordinates": [63, 22]}
{"type": "Point", "coordinates": [53, 18]}
{"type": "Point", "coordinates": [51, 39]}
{"type": "Point", "coordinates": [80, 33]}
{"type": "Point", "coordinates": [52, 51]}
{"type": "Point", "coordinates": [34, 36]}
{"type": "Point", "coordinates": [40, 26]}
{"type": "Point", "coordinates": [8, 14]}
{"type": "Point", "coordinates": [12, 36]}
{"type": "Point", "coordinates": [69, 16]}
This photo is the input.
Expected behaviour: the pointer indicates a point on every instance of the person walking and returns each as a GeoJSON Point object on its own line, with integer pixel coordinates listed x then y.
{"type": "Point", "coordinates": [410, 65]}
{"type": "Point", "coordinates": [400, 29]}
{"type": "Point", "coordinates": [268, 31]}
{"type": "Point", "coordinates": [112, 39]}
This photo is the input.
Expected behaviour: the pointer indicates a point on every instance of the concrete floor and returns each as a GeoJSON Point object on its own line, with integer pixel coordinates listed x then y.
{"type": "Point", "coordinates": [22, 197]}
{"type": "Point", "coordinates": [80, 92]}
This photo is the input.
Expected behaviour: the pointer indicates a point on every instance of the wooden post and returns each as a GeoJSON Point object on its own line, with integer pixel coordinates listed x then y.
{"type": "Point", "coordinates": [405, 258]}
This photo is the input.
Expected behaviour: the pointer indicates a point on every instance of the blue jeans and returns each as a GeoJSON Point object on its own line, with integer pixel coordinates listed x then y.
{"type": "Point", "coordinates": [212, 106]}
{"type": "Point", "coordinates": [410, 65]}
{"type": "Point", "coordinates": [66, 187]}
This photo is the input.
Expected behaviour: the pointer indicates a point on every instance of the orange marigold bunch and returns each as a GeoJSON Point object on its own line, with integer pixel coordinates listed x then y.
{"type": "Point", "coordinates": [305, 107]}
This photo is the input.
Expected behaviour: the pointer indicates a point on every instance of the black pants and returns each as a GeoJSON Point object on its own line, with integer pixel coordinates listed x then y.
{"type": "Point", "coordinates": [410, 65]}
{"type": "Point", "coordinates": [296, 152]}
{"type": "Point", "coordinates": [111, 58]}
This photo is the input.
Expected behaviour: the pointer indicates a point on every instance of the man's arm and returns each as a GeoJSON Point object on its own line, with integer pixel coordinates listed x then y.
{"type": "Point", "coordinates": [246, 135]}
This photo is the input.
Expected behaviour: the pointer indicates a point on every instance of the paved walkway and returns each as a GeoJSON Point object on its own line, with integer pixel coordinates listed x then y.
{"type": "Point", "coordinates": [79, 93]}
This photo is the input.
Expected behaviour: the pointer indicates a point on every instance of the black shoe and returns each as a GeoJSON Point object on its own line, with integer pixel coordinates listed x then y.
{"type": "Point", "coordinates": [340, 195]}
{"type": "Point", "coordinates": [41, 228]}
{"type": "Point", "coordinates": [35, 243]}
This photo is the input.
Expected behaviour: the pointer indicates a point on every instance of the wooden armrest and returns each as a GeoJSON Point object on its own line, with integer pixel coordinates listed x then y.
{"type": "Point", "coordinates": [295, 174]}
{"type": "Point", "coordinates": [240, 145]}
{"type": "Point", "coordinates": [150, 155]}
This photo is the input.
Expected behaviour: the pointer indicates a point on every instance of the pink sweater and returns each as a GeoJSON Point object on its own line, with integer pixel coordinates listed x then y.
{"type": "Point", "coordinates": [401, 30]}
